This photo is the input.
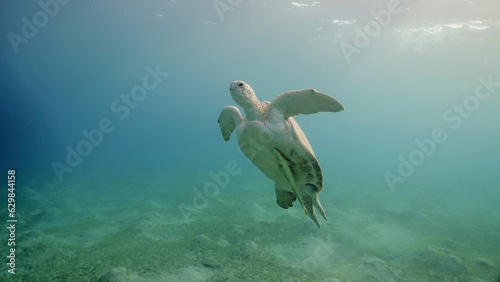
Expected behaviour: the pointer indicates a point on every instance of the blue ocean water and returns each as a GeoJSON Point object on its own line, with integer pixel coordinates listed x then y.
{"type": "Point", "coordinates": [109, 117]}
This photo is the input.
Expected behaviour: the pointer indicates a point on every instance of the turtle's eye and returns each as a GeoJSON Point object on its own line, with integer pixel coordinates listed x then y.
{"type": "Point", "coordinates": [241, 84]}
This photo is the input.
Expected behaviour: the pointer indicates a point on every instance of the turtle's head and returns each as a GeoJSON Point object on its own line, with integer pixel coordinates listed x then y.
{"type": "Point", "coordinates": [243, 94]}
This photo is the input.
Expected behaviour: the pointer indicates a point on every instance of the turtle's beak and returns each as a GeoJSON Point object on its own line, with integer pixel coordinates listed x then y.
{"type": "Point", "coordinates": [233, 85]}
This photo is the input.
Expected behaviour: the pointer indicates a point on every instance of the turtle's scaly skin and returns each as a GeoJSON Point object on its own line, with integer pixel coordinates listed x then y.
{"type": "Point", "coordinates": [275, 143]}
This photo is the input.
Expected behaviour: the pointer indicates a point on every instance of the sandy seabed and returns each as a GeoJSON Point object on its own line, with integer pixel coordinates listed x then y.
{"type": "Point", "coordinates": [147, 230]}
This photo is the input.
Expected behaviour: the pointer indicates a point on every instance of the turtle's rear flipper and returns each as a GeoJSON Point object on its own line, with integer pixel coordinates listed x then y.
{"type": "Point", "coordinates": [305, 200]}
{"type": "Point", "coordinates": [284, 167]}
{"type": "Point", "coordinates": [308, 205]}
{"type": "Point", "coordinates": [313, 193]}
{"type": "Point", "coordinates": [284, 198]}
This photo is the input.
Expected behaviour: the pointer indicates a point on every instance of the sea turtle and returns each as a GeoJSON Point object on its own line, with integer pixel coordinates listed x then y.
{"type": "Point", "coordinates": [271, 138]}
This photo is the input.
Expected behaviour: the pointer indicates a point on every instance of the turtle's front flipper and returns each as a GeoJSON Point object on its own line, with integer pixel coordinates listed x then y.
{"type": "Point", "coordinates": [306, 102]}
{"type": "Point", "coordinates": [306, 202]}
{"type": "Point", "coordinates": [229, 118]}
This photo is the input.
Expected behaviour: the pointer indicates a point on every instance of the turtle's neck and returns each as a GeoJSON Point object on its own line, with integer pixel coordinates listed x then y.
{"type": "Point", "coordinates": [256, 110]}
